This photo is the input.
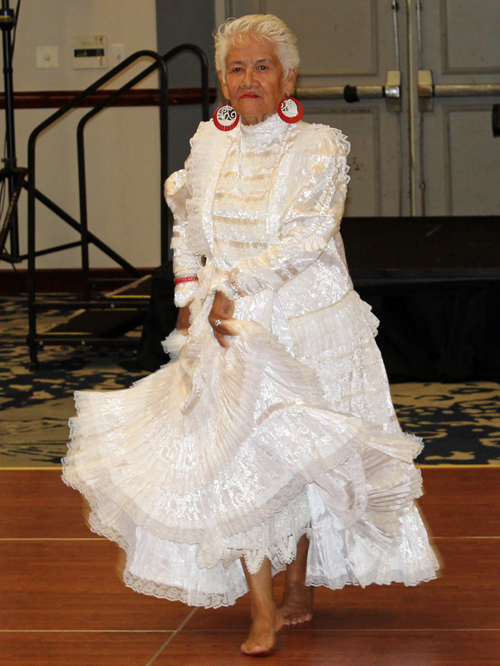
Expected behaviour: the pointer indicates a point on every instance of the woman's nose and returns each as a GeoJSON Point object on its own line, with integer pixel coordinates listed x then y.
{"type": "Point", "coordinates": [248, 78]}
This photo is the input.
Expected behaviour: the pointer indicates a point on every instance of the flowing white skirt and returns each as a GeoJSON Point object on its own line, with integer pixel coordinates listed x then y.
{"type": "Point", "coordinates": [223, 454]}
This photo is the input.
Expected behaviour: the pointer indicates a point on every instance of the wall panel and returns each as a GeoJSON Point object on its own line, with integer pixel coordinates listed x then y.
{"type": "Point", "coordinates": [470, 34]}
{"type": "Point", "coordinates": [124, 186]}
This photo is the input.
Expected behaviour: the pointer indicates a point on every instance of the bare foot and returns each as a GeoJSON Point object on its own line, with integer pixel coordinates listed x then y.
{"type": "Point", "coordinates": [297, 604]}
{"type": "Point", "coordinates": [262, 637]}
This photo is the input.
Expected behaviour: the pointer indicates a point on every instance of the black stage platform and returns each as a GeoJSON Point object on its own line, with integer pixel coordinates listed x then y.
{"type": "Point", "coordinates": [433, 282]}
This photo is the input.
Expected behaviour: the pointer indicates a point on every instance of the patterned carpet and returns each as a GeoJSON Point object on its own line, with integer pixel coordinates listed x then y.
{"type": "Point", "coordinates": [460, 423]}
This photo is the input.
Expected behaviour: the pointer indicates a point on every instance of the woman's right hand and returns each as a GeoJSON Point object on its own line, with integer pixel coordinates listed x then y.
{"type": "Point", "coordinates": [222, 308]}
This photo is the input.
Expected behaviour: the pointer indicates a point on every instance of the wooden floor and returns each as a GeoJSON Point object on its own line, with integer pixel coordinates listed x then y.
{"type": "Point", "coordinates": [62, 602]}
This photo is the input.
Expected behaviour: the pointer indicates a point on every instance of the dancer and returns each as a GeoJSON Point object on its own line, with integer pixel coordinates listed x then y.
{"type": "Point", "coordinates": [269, 441]}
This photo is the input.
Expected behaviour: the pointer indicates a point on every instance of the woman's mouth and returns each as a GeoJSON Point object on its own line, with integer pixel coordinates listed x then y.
{"type": "Point", "coordinates": [250, 95]}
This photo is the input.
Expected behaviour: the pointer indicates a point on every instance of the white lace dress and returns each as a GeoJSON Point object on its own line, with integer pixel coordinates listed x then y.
{"type": "Point", "coordinates": [223, 454]}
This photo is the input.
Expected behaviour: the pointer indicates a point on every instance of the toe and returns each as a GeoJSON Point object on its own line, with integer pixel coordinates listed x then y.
{"type": "Point", "coordinates": [255, 650]}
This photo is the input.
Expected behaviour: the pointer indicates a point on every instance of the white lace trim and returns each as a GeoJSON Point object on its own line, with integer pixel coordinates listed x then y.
{"type": "Point", "coordinates": [264, 133]}
{"type": "Point", "coordinates": [241, 435]}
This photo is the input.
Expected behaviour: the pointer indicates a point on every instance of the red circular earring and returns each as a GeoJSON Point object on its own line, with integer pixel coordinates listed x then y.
{"type": "Point", "coordinates": [225, 118]}
{"type": "Point", "coordinates": [290, 110]}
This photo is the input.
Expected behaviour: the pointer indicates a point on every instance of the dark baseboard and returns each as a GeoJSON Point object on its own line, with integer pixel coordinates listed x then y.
{"type": "Point", "coordinates": [62, 280]}
{"type": "Point", "coordinates": [53, 99]}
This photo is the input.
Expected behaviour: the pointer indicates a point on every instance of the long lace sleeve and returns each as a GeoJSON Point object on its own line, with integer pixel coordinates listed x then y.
{"type": "Point", "coordinates": [186, 262]}
{"type": "Point", "coordinates": [309, 221]}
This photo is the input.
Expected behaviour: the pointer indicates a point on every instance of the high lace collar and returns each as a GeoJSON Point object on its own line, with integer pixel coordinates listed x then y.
{"type": "Point", "coordinates": [264, 132]}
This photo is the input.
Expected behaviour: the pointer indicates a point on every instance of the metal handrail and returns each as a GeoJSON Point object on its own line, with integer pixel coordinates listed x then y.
{"type": "Point", "coordinates": [106, 103]}
{"type": "Point", "coordinates": [34, 194]}
{"type": "Point", "coordinates": [31, 177]}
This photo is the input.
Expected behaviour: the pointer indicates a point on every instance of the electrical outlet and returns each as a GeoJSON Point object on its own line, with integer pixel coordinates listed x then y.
{"type": "Point", "coordinates": [47, 56]}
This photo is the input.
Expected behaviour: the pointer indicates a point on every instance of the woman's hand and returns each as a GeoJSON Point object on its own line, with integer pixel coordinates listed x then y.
{"type": "Point", "coordinates": [222, 309]}
{"type": "Point", "coordinates": [182, 323]}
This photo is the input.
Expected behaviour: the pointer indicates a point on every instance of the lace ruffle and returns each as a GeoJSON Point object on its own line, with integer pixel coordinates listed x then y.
{"type": "Point", "coordinates": [314, 190]}
{"type": "Point", "coordinates": [208, 148]}
{"type": "Point", "coordinates": [240, 436]}
{"type": "Point", "coordinates": [335, 331]}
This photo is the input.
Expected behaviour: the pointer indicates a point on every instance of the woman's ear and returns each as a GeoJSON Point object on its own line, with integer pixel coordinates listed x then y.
{"type": "Point", "coordinates": [223, 85]}
{"type": "Point", "coordinates": [291, 78]}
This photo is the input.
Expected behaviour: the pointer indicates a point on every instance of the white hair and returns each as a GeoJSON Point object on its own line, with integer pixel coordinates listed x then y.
{"type": "Point", "coordinates": [264, 28]}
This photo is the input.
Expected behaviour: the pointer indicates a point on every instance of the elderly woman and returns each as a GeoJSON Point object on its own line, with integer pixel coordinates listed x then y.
{"type": "Point", "coordinates": [270, 440]}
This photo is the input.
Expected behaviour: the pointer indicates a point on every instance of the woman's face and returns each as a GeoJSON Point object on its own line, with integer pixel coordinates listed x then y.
{"type": "Point", "coordinates": [254, 81]}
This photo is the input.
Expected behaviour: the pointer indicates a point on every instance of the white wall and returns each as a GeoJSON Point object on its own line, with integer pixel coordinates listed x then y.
{"type": "Point", "coordinates": [122, 147]}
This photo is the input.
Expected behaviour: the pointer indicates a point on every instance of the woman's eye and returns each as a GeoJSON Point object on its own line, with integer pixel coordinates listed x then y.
{"type": "Point", "coordinates": [262, 67]}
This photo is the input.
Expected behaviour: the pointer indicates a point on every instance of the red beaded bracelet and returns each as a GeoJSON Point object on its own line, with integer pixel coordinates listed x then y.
{"type": "Point", "coordinates": [191, 278]}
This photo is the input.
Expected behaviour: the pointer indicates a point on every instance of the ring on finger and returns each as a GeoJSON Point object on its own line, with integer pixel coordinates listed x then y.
{"type": "Point", "coordinates": [218, 322]}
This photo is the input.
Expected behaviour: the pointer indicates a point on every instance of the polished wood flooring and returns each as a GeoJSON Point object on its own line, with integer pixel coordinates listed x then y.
{"type": "Point", "coordinates": [62, 602]}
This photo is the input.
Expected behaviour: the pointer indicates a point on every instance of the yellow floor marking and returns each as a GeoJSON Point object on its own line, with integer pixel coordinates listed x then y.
{"type": "Point", "coordinates": [53, 539]}
{"type": "Point", "coordinates": [447, 466]}
{"type": "Point", "coordinates": [420, 466]}
{"type": "Point", "coordinates": [87, 631]}
{"type": "Point", "coordinates": [38, 469]}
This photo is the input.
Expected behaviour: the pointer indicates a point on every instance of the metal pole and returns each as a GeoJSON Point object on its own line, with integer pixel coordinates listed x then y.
{"type": "Point", "coordinates": [82, 185]}
{"type": "Point", "coordinates": [32, 344]}
{"type": "Point", "coordinates": [7, 22]}
{"type": "Point", "coordinates": [397, 53]}
{"type": "Point", "coordinates": [411, 91]}
{"type": "Point", "coordinates": [338, 92]}
{"type": "Point", "coordinates": [467, 90]}
{"type": "Point", "coordinates": [421, 115]}
{"type": "Point", "coordinates": [395, 9]}
{"type": "Point", "coordinates": [164, 210]}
